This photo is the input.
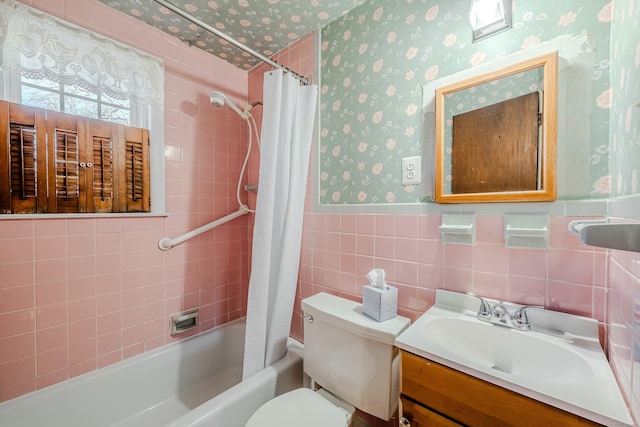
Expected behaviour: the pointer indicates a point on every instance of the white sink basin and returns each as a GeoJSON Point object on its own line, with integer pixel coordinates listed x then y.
{"type": "Point", "coordinates": [508, 351]}
{"type": "Point", "coordinates": [559, 362]}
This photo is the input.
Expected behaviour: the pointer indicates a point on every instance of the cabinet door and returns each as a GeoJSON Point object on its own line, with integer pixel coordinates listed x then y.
{"type": "Point", "coordinates": [419, 416]}
{"type": "Point", "coordinates": [474, 402]}
{"type": "Point", "coordinates": [490, 154]}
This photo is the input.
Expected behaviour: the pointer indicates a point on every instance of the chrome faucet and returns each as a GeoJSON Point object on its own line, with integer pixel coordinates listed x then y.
{"type": "Point", "coordinates": [504, 313]}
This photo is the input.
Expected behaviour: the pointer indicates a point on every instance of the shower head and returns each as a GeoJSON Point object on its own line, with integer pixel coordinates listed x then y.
{"type": "Point", "coordinates": [218, 99]}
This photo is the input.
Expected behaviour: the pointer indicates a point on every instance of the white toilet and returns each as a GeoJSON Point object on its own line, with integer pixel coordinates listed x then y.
{"type": "Point", "coordinates": [350, 356]}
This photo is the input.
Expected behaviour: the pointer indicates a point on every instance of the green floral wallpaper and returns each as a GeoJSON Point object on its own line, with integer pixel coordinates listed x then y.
{"type": "Point", "coordinates": [625, 81]}
{"type": "Point", "coordinates": [375, 60]}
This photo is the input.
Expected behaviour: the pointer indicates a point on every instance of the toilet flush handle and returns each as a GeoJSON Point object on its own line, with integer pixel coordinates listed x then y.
{"type": "Point", "coordinates": [307, 317]}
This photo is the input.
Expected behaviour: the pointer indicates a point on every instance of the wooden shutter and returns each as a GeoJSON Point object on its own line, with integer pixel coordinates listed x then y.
{"type": "Point", "coordinates": [53, 162]}
{"type": "Point", "coordinates": [24, 167]}
{"type": "Point", "coordinates": [66, 173]}
{"type": "Point", "coordinates": [5, 170]}
{"type": "Point", "coordinates": [137, 169]}
{"type": "Point", "coordinates": [22, 185]}
{"type": "Point", "coordinates": [100, 166]}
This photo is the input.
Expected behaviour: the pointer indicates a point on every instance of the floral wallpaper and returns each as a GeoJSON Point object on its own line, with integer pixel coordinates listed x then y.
{"type": "Point", "coordinates": [375, 60]}
{"type": "Point", "coordinates": [625, 78]}
{"type": "Point", "coordinates": [264, 26]}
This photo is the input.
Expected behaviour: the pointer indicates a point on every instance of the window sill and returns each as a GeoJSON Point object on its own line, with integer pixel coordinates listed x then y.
{"type": "Point", "coordinates": [83, 215]}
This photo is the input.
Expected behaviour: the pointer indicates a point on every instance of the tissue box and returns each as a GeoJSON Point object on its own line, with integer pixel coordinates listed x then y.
{"type": "Point", "coordinates": [380, 304]}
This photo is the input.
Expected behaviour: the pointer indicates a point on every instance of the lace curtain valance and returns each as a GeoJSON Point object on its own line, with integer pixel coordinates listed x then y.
{"type": "Point", "coordinates": [38, 45]}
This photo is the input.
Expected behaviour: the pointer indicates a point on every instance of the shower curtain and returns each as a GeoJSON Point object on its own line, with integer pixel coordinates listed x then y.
{"type": "Point", "coordinates": [287, 127]}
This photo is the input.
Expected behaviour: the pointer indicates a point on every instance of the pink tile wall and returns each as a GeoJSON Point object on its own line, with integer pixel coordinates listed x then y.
{"type": "Point", "coordinates": [340, 249]}
{"type": "Point", "coordinates": [623, 322]}
{"type": "Point", "coordinates": [79, 294]}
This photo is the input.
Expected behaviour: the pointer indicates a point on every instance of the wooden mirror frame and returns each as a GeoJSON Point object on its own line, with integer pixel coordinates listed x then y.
{"type": "Point", "coordinates": [548, 146]}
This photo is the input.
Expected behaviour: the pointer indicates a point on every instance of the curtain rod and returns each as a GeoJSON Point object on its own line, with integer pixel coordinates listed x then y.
{"type": "Point", "coordinates": [198, 22]}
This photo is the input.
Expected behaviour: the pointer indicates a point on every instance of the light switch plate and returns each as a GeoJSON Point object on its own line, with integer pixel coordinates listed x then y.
{"type": "Point", "coordinates": [411, 170]}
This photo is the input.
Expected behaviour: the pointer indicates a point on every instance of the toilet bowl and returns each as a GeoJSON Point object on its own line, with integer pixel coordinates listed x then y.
{"type": "Point", "coordinates": [304, 407]}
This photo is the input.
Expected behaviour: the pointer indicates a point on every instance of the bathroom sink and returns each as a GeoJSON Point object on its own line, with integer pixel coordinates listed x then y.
{"type": "Point", "coordinates": [508, 351]}
{"type": "Point", "coordinates": [559, 361]}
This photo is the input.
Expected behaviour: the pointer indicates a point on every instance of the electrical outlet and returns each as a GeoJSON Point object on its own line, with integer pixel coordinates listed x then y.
{"type": "Point", "coordinates": [411, 170]}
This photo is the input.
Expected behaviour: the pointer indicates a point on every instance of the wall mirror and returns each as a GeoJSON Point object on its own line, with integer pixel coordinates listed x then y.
{"type": "Point", "coordinates": [496, 135]}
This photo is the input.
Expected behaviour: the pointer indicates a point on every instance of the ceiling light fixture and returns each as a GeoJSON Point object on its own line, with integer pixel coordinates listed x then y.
{"type": "Point", "coordinates": [489, 17]}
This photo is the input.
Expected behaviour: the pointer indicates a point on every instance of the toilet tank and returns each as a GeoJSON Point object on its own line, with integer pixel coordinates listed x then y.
{"type": "Point", "coordinates": [352, 355]}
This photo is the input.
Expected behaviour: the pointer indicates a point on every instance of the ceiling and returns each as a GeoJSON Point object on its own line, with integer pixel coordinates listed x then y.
{"type": "Point", "coordinates": [266, 26]}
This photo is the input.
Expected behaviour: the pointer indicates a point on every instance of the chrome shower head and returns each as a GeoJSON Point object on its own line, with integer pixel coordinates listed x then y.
{"type": "Point", "coordinates": [218, 99]}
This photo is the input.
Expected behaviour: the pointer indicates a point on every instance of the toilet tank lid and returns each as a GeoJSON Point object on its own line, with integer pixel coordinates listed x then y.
{"type": "Point", "coordinates": [347, 315]}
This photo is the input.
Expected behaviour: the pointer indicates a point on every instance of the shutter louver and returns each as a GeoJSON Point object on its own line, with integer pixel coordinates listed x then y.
{"type": "Point", "coordinates": [24, 171]}
{"type": "Point", "coordinates": [134, 171]}
{"type": "Point", "coordinates": [67, 170]}
{"type": "Point", "coordinates": [103, 179]}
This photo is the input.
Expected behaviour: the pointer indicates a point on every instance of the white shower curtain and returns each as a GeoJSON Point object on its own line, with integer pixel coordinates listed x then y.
{"type": "Point", "coordinates": [287, 127]}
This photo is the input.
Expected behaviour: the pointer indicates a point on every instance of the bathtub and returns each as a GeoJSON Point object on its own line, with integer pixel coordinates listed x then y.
{"type": "Point", "coordinates": [193, 382]}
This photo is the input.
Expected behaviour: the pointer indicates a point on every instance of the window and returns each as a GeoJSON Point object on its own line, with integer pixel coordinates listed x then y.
{"type": "Point", "coordinates": [73, 99]}
{"type": "Point", "coordinates": [60, 163]}
{"type": "Point", "coordinates": [57, 66]}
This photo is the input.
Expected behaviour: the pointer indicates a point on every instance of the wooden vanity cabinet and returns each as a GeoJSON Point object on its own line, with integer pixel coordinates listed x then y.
{"type": "Point", "coordinates": [420, 416]}
{"type": "Point", "coordinates": [435, 395]}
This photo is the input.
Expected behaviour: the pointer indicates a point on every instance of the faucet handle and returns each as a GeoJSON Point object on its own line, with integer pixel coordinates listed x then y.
{"type": "Point", "coordinates": [500, 311]}
{"type": "Point", "coordinates": [520, 319]}
{"type": "Point", "coordinates": [484, 312]}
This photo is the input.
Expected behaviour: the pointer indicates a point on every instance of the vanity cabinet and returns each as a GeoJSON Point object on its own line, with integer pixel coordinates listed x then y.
{"type": "Point", "coordinates": [421, 416]}
{"type": "Point", "coordinates": [435, 395]}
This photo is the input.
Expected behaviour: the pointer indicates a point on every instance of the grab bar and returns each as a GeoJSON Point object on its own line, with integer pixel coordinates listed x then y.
{"type": "Point", "coordinates": [166, 243]}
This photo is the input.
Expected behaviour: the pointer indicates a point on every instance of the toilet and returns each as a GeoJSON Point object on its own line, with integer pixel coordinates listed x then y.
{"type": "Point", "coordinates": [353, 361]}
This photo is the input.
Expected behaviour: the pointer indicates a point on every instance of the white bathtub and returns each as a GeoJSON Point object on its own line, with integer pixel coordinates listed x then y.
{"type": "Point", "coordinates": [193, 382]}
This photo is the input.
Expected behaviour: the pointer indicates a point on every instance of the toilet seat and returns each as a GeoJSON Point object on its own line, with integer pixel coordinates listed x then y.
{"type": "Point", "coordinates": [299, 407]}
